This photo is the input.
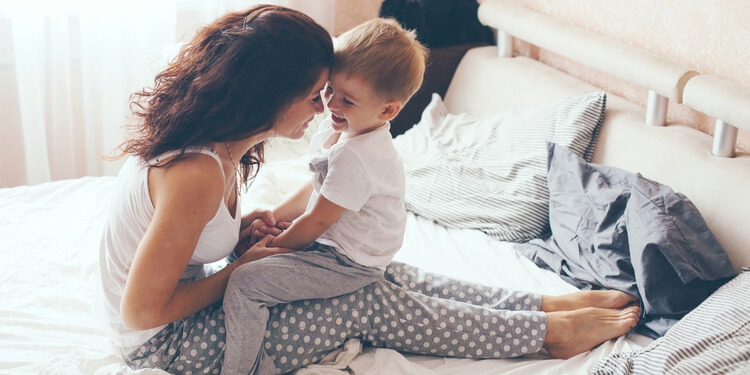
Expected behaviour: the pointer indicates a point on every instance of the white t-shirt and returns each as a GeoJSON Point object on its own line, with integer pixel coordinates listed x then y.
{"type": "Point", "coordinates": [127, 219]}
{"type": "Point", "coordinates": [364, 175]}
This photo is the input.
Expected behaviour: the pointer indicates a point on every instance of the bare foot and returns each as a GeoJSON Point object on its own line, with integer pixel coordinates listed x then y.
{"type": "Point", "coordinates": [606, 299]}
{"type": "Point", "coordinates": [573, 332]}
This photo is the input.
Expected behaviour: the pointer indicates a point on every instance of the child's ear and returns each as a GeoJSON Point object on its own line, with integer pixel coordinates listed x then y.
{"type": "Point", "coordinates": [390, 110]}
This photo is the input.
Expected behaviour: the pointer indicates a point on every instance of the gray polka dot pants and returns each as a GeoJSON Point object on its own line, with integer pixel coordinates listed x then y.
{"type": "Point", "coordinates": [409, 310]}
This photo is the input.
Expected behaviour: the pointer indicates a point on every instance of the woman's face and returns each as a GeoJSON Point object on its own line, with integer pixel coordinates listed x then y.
{"type": "Point", "coordinates": [293, 122]}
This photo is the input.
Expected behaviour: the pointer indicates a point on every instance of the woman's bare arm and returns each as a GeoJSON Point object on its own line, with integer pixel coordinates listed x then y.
{"type": "Point", "coordinates": [185, 196]}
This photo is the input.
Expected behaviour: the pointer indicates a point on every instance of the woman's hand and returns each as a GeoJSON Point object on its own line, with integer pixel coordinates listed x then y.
{"type": "Point", "coordinates": [261, 250]}
{"type": "Point", "coordinates": [254, 220]}
{"type": "Point", "coordinates": [250, 229]}
{"type": "Point", "coordinates": [263, 223]}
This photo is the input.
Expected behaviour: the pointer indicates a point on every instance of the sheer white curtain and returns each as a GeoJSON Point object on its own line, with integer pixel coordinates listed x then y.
{"type": "Point", "coordinates": [67, 69]}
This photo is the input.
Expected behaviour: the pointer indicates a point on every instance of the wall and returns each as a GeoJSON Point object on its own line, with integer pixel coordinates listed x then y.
{"type": "Point", "coordinates": [709, 36]}
{"type": "Point", "coordinates": [352, 13]}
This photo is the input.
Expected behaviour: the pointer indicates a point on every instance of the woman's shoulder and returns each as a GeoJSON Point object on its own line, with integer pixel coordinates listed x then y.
{"type": "Point", "coordinates": [196, 181]}
{"type": "Point", "coordinates": [184, 154]}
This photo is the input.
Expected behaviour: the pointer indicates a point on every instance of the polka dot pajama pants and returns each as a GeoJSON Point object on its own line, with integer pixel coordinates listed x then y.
{"type": "Point", "coordinates": [409, 310]}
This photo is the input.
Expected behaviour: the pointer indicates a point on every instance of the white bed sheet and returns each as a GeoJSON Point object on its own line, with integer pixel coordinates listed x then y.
{"type": "Point", "coordinates": [49, 237]}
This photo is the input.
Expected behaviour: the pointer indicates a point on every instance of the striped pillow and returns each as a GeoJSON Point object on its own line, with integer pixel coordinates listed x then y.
{"type": "Point", "coordinates": [490, 173]}
{"type": "Point", "coordinates": [712, 339]}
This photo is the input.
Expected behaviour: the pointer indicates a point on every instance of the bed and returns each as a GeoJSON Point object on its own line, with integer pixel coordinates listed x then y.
{"type": "Point", "coordinates": [465, 160]}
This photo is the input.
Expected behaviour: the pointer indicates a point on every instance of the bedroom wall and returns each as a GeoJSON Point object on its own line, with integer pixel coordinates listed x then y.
{"type": "Point", "coordinates": [352, 13]}
{"type": "Point", "coordinates": [709, 36]}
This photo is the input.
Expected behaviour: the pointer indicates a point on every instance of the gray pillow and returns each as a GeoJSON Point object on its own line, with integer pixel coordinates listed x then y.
{"type": "Point", "coordinates": [712, 339]}
{"type": "Point", "coordinates": [489, 173]}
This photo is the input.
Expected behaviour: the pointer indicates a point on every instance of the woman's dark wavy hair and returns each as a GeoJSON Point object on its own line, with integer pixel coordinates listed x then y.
{"type": "Point", "coordinates": [231, 81]}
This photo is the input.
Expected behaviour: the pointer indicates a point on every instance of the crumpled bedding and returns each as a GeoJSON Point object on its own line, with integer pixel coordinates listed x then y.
{"type": "Point", "coordinates": [613, 229]}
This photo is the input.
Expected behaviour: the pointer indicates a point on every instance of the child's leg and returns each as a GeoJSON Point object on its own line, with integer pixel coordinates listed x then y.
{"type": "Point", "coordinates": [439, 286]}
{"type": "Point", "coordinates": [256, 286]}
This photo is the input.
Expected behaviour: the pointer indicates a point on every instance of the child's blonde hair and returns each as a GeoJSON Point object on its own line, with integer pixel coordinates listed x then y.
{"type": "Point", "coordinates": [383, 54]}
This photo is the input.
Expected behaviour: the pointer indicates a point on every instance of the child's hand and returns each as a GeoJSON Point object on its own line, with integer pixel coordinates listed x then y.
{"type": "Point", "coordinates": [273, 230]}
{"type": "Point", "coordinates": [260, 229]}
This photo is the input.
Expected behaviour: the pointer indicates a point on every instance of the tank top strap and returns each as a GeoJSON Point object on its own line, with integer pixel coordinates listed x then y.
{"type": "Point", "coordinates": [188, 150]}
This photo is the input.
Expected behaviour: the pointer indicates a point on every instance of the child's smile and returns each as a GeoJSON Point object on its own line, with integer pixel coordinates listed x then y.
{"type": "Point", "coordinates": [355, 108]}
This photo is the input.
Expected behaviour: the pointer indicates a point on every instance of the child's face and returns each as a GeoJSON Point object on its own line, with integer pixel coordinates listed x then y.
{"type": "Point", "coordinates": [355, 109]}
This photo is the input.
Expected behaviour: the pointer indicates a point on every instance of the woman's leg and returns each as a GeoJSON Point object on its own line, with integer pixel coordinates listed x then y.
{"type": "Point", "coordinates": [386, 315]}
{"type": "Point", "coordinates": [417, 323]}
{"type": "Point", "coordinates": [194, 345]}
{"type": "Point", "coordinates": [576, 322]}
{"type": "Point", "coordinates": [414, 279]}
{"type": "Point", "coordinates": [297, 334]}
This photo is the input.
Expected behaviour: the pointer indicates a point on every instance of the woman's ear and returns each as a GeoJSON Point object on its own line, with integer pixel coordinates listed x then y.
{"type": "Point", "coordinates": [390, 111]}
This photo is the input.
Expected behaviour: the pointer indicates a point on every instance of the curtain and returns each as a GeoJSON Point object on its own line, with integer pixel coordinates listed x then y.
{"type": "Point", "coordinates": [68, 68]}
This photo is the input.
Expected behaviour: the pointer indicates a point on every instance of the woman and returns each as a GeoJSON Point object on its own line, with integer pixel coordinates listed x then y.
{"type": "Point", "coordinates": [243, 79]}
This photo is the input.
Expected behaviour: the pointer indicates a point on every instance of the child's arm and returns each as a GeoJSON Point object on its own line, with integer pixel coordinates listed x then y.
{"type": "Point", "coordinates": [310, 225]}
{"type": "Point", "coordinates": [294, 205]}
{"type": "Point", "coordinates": [259, 223]}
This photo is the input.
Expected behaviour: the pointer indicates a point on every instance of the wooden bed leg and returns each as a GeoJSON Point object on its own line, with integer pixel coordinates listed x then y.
{"type": "Point", "coordinates": [504, 44]}
{"type": "Point", "coordinates": [656, 109]}
{"type": "Point", "coordinates": [725, 140]}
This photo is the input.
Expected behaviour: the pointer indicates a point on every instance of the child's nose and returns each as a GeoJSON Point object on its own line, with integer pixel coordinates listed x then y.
{"type": "Point", "coordinates": [331, 102]}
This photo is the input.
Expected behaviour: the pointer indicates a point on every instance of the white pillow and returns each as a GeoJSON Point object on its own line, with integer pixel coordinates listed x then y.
{"type": "Point", "coordinates": [490, 173]}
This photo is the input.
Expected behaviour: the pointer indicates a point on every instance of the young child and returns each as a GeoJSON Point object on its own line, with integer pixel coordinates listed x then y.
{"type": "Point", "coordinates": [349, 220]}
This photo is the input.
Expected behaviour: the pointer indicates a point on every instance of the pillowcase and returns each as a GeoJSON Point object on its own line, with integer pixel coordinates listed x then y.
{"type": "Point", "coordinates": [619, 230]}
{"type": "Point", "coordinates": [712, 339]}
{"type": "Point", "coordinates": [490, 173]}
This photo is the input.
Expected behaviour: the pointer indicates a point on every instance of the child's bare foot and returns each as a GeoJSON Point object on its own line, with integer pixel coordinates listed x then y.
{"type": "Point", "coordinates": [573, 332]}
{"type": "Point", "coordinates": [606, 299]}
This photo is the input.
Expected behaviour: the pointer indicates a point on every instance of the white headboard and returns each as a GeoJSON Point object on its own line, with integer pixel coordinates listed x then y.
{"type": "Point", "coordinates": [675, 154]}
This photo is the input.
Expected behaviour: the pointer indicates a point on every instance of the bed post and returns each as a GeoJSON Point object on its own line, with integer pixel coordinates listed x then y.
{"type": "Point", "coordinates": [656, 109]}
{"type": "Point", "coordinates": [725, 139]}
{"type": "Point", "coordinates": [724, 101]}
{"type": "Point", "coordinates": [504, 44]}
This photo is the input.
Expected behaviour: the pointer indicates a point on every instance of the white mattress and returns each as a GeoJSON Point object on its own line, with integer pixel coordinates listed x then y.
{"type": "Point", "coordinates": [49, 243]}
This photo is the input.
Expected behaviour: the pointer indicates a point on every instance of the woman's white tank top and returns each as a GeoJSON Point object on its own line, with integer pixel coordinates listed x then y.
{"type": "Point", "coordinates": [126, 222]}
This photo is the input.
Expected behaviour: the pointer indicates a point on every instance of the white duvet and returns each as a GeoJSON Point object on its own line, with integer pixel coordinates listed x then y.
{"type": "Point", "coordinates": [48, 248]}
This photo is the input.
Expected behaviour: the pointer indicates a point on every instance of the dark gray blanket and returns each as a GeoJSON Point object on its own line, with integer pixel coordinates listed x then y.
{"type": "Point", "coordinates": [618, 230]}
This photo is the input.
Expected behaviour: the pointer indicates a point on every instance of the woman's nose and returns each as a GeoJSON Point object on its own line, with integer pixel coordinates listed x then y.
{"type": "Point", "coordinates": [319, 107]}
